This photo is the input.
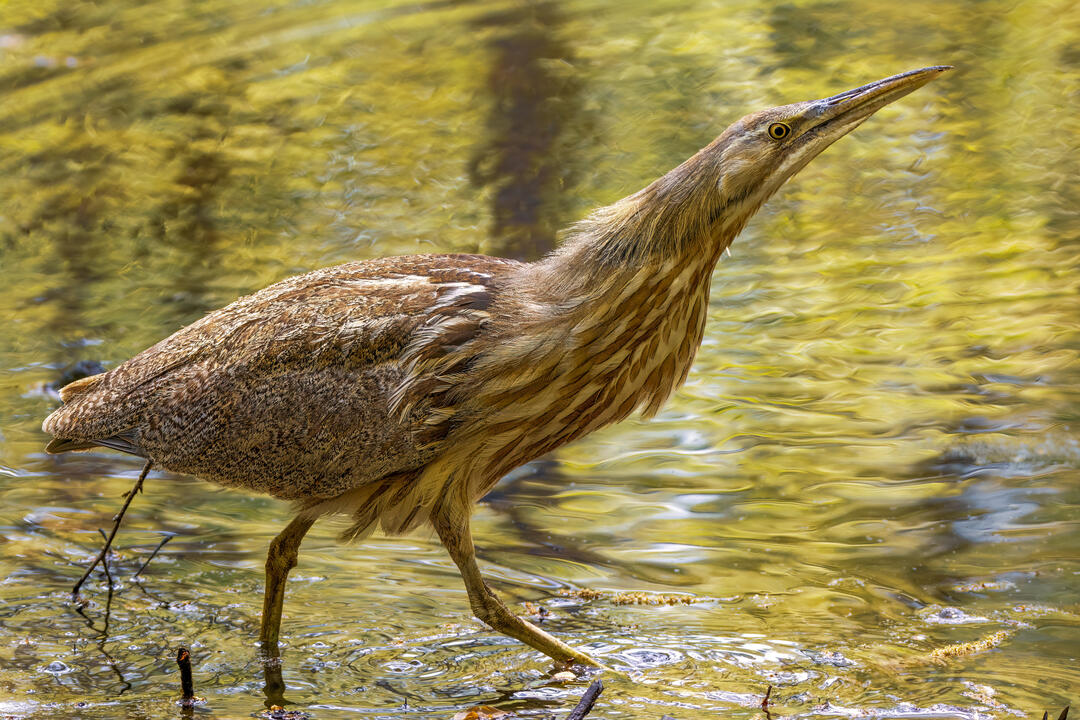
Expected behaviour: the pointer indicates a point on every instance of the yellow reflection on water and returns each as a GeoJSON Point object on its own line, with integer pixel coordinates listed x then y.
{"type": "Point", "coordinates": [875, 457]}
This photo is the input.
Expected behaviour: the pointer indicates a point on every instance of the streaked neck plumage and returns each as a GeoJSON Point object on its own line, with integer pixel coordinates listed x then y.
{"type": "Point", "coordinates": [681, 218]}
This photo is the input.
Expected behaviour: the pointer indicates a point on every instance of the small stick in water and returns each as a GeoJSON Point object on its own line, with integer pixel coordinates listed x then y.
{"type": "Point", "coordinates": [765, 701]}
{"type": "Point", "coordinates": [105, 560]}
{"type": "Point", "coordinates": [587, 701]}
{"type": "Point", "coordinates": [116, 526]}
{"type": "Point", "coordinates": [161, 544]}
{"type": "Point", "coordinates": [187, 685]}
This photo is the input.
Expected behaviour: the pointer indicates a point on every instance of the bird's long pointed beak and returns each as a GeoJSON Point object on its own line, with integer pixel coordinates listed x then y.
{"type": "Point", "coordinates": [851, 107]}
{"type": "Point", "coordinates": [725, 183]}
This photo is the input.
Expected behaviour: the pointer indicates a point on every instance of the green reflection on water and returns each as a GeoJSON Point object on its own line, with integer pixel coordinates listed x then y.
{"type": "Point", "coordinates": [875, 456]}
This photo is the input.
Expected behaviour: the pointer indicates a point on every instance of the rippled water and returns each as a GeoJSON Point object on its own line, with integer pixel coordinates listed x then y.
{"type": "Point", "coordinates": [874, 461]}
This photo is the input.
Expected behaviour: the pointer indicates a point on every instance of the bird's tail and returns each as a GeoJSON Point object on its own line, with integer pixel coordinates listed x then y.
{"type": "Point", "coordinates": [79, 387]}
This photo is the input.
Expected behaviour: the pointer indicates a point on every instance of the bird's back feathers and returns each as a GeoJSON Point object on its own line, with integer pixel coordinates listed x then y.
{"type": "Point", "coordinates": [271, 390]}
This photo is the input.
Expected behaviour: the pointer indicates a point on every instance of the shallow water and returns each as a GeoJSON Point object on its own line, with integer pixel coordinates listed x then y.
{"type": "Point", "coordinates": [874, 460]}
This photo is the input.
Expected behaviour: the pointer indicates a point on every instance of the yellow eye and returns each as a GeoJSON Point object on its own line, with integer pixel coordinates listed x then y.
{"type": "Point", "coordinates": [779, 131]}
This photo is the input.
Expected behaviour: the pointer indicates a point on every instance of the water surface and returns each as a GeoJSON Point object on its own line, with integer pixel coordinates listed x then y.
{"type": "Point", "coordinates": [874, 461]}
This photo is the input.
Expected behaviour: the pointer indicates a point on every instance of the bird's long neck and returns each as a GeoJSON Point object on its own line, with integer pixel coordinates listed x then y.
{"type": "Point", "coordinates": [678, 220]}
{"type": "Point", "coordinates": [626, 294]}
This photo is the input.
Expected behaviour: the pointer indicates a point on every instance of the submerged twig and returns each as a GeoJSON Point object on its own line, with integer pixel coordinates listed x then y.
{"type": "Point", "coordinates": [161, 544]}
{"type": "Point", "coordinates": [587, 701]}
{"type": "Point", "coordinates": [187, 685]}
{"type": "Point", "coordinates": [105, 561]}
{"type": "Point", "coordinates": [135, 490]}
{"type": "Point", "coordinates": [103, 633]}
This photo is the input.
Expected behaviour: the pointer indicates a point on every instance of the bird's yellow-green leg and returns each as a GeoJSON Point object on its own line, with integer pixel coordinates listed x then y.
{"type": "Point", "coordinates": [457, 538]}
{"type": "Point", "coordinates": [280, 559]}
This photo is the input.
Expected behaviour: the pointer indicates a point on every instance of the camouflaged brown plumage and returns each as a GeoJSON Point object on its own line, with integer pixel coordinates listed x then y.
{"type": "Point", "coordinates": [398, 391]}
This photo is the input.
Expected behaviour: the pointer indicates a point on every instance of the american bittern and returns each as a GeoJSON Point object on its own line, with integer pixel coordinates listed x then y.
{"type": "Point", "coordinates": [399, 390]}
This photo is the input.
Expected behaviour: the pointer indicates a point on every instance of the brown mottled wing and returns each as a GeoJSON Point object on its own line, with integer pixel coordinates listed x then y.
{"type": "Point", "coordinates": [289, 391]}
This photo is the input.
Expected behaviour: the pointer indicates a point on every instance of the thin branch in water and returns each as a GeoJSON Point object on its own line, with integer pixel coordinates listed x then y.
{"type": "Point", "coordinates": [161, 544]}
{"type": "Point", "coordinates": [103, 633]}
{"type": "Point", "coordinates": [587, 701]}
{"type": "Point", "coordinates": [135, 490]}
{"type": "Point", "coordinates": [765, 703]}
{"type": "Point", "coordinates": [187, 685]}
{"type": "Point", "coordinates": [108, 606]}
{"type": "Point", "coordinates": [105, 562]}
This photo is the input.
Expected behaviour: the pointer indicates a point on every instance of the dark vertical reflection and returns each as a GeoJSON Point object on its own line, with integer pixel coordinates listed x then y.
{"type": "Point", "coordinates": [70, 223]}
{"type": "Point", "coordinates": [527, 160]}
{"type": "Point", "coordinates": [186, 222]}
{"type": "Point", "coordinates": [76, 248]}
{"type": "Point", "coordinates": [535, 102]}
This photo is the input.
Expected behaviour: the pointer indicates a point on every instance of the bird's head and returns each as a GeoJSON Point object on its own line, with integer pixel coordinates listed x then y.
{"type": "Point", "coordinates": [757, 154]}
{"type": "Point", "coordinates": [701, 205]}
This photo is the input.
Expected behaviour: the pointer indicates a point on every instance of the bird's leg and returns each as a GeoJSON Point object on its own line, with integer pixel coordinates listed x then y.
{"type": "Point", "coordinates": [457, 538]}
{"type": "Point", "coordinates": [280, 559]}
